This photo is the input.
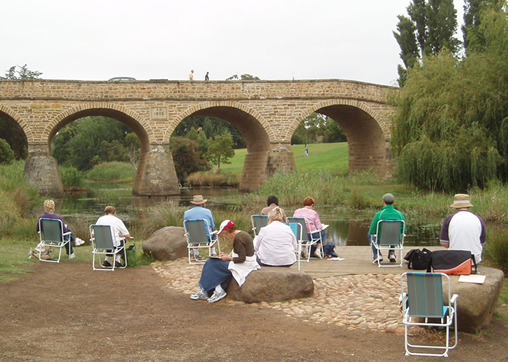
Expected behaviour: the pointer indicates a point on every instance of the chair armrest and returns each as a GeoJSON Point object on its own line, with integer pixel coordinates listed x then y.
{"type": "Point", "coordinates": [67, 233]}
{"type": "Point", "coordinates": [454, 299]}
{"type": "Point", "coordinates": [215, 232]}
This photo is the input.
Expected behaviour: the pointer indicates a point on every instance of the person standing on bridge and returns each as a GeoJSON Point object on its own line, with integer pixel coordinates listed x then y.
{"type": "Point", "coordinates": [191, 75]}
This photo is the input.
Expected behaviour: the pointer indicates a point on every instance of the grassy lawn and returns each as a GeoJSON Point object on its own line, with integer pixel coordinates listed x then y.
{"type": "Point", "coordinates": [330, 156]}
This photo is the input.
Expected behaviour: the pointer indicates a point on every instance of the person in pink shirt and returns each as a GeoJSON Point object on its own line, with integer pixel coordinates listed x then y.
{"type": "Point", "coordinates": [312, 222]}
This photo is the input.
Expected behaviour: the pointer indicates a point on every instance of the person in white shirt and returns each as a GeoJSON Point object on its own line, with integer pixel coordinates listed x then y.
{"type": "Point", "coordinates": [464, 230]}
{"type": "Point", "coordinates": [119, 231]}
{"type": "Point", "coordinates": [276, 243]}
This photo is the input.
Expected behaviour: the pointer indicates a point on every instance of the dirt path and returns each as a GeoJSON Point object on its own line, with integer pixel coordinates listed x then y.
{"type": "Point", "coordinates": [68, 312]}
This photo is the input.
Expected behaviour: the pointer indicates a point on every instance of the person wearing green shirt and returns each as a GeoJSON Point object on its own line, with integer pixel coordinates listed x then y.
{"type": "Point", "coordinates": [388, 212]}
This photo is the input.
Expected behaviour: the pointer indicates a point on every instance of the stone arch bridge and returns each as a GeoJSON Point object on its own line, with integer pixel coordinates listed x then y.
{"type": "Point", "coordinates": [265, 112]}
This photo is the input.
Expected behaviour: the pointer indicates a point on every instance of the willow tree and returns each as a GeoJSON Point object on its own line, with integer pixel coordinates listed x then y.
{"type": "Point", "coordinates": [451, 126]}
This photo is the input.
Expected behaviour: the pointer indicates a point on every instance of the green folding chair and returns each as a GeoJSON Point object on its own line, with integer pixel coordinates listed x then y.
{"type": "Point", "coordinates": [199, 235]}
{"type": "Point", "coordinates": [423, 305]}
{"type": "Point", "coordinates": [258, 221]}
{"type": "Point", "coordinates": [102, 239]}
{"type": "Point", "coordinates": [390, 236]}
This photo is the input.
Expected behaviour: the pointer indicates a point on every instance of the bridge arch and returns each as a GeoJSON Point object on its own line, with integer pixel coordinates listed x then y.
{"type": "Point", "coordinates": [367, 131]}
{"type": "Point", "coordinates": [262, 148]}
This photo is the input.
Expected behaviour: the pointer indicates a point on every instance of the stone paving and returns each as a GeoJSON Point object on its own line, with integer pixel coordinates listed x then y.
{"type": "Point", "coordinates": [354, 301]}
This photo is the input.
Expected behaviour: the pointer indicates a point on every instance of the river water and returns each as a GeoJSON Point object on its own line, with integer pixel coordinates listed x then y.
{"type": "Point", "coordinates": [342, 230]}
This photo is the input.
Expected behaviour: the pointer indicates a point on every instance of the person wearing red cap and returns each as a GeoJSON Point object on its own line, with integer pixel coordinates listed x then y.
{"type": "Point", "coordinates": [217, 272]}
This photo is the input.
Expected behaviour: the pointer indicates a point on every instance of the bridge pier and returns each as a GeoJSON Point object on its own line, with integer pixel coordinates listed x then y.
{"type": "Point", "coordinates": [156, 175]}
{"type": "Point", "coordinates": [41, 170]}
{"type": "Point", "coordinates": [258, 166]}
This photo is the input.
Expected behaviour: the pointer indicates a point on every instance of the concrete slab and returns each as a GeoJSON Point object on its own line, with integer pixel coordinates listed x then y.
{"type": "Point", "coordinates": [358, 260]}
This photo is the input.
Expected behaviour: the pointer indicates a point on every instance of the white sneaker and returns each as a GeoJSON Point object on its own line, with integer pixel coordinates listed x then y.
{"type": "Point", "coordinates": [72, 256]}
{"type": "Point", "coordinates": [201, 295]}
{"type": "Point", "coordinates": [379, 258]}
{"type": "Point", "coordinates": [392, 258]}
{"type": "Point", "coordinates": [217, 296]}
{"type": "Point", "coordinates": [317, 254]}
{"type": "Point", "coordinates": [78, 242]}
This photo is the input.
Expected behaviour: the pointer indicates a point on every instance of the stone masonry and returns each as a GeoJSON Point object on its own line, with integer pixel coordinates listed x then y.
{"type": "Point", "coordinates": [265, 112]}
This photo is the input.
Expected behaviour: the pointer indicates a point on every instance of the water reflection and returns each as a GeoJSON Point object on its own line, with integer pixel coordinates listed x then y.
{"type": "Point", "coordinates": [342, 230]}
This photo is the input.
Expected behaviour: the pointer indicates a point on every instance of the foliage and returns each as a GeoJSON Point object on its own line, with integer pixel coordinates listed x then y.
{"type": "Point", "coordinates": [474, 37]}
{"type": "Point", "coordinates": [243, 77]}
{"type": "Point", "coordinates": [6, 153]}
{"type": "Point", "coordinates": [186, 158]}
{"type": "Point", "coordinates": [133, 146]}
{"type": "Point", "coordinates": [21, 72]}
{"type": "Point", "coordinates": [206, 128]}
{"type": "Point", "coordinates": [12, 132]}
{"type": "Point", "coordinates": [429, 30]}
{"type": "Point", "coordinates": [496, 249]}
{"type": "Point", "coordinates": [220, 149]}
{"type": "Point", "coordinates": [215, 178]}
{"type": "Point", "coordinates": [112, 171]}
{"type": "Point", "coordinates": [79, 142]}
{"type": "Point", "coordinates": [317, 128]}
{"type": "Point", "coordinates": [452, 117]}
{"type": "Point", "coordinates": [71, 177]}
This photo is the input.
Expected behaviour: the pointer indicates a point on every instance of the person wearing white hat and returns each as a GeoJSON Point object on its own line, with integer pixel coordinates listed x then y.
{"type": "Point", "coordinates": [464, 230]}
{"type": "Point", "coordinates": [199, 211]}
{"type": "Point", "coordinates": [217, 272]}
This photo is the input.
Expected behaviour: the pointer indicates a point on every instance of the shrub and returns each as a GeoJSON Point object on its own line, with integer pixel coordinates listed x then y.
{"type": "Point", "coordinates": [71, 177]}
{"type": "Point", "coordinates": [6, 153]}
{"type": "Point", "coordinates": [495, 252]}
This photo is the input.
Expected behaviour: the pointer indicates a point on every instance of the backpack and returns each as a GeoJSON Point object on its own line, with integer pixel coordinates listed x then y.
{"type": "Point", "coordinates": [418, 259]}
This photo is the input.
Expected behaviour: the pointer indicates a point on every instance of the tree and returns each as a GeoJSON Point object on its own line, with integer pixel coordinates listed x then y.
{"type": "Point", "coordinates": [243, 77]}
{"type": "Point", "coordinates": [21, 73]}
{"type": "Point", "coordinates": [473, 35]}
{"type": "Point", "coordinates": [186, 158]}
{"type": "Point", "coordinates": [133, 149]}
{"type": "Point", "coordinates": [450, 130]}
{"type": "Point", "coordinates": [6, 153]}
{"type": "Point", "coordinates": [12, 132]}
{"type": "Point", "coordinates": [429, 29]}
{"type": "Point", "coordinates": [220, 149]}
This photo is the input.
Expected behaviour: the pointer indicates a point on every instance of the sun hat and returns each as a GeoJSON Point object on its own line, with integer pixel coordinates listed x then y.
{"type": "Point", "coordinates": [198, 200]}
{"type": "Point", "coordinates": [388, 198]}
{"type": "Point", "coordinates": [225, 224]}
{"type": "Point", "coordinates": [461, 200]}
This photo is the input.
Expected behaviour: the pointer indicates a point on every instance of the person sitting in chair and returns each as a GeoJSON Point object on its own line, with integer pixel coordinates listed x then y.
{"type": "Point", "coordinates": [388, 212]}
{"type": "Point", "coordinates": [276, 243]}
{"type": "Point", "coordinates": [120, 233]}
{"type": "Point", "coordinates": [313, 224]}
{"type": "Point", "coordinates": [199, 211]}
{"type": "Point", "coordinates": [49, 213]}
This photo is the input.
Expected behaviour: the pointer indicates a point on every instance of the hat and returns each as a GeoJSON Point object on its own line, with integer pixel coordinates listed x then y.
{"type": "Point", "coordinates": [388, 198]}
{"type": "Point", "coordinates": [198, 200]}
{"type": "Point", "coordinates": [225, 224]}
{"type": "Point", "coordinates": [461, 200]}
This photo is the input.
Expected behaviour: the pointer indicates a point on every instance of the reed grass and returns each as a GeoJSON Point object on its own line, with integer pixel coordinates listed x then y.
{"type": "Point", "coordinates": [213, 178]}
{"type": "Point", "coordinates": [112, 171]}
{"type": "Point", "coordinates": [71, 177]}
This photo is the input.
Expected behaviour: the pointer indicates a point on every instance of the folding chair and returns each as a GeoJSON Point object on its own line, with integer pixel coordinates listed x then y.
{"type": "Point", "coordinates": [199, 235]}
{"type": "Point", "coordinates": [423, 300]}
{"type": "Point", "coordinates": [102, 239]}
{"type": "Point", "coordinates": [258, 221]}
{"type": "Point", "coordinates": [296, 228]}
{"type": "Point", "coordinates": [390, 236]}
{"type": "Point", "coordinates": [51, 234]}
{"type": "Point", "coordinates": [307, 239]}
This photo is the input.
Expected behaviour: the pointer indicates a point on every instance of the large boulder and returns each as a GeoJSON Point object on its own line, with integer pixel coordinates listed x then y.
{"type": "Point", "coordinates": [477, 302]}
{"type": "Point", "coordinates": [168, 243]}
{"type": "Point", "coordinates": [272, 285]}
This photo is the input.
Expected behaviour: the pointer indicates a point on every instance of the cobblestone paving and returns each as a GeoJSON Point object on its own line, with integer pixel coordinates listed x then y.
{"type": "Point", "coordinates": [362, 301]}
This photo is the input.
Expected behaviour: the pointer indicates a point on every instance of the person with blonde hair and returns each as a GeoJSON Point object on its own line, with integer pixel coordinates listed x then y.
{"type": "Point", "coordinates": [313, 224]}
{"type": "Point", "coordinates": [119, 230]}
{"type": "Point", "coordinates": [49, 213]}
{"type": "Point", "coordinates": [276, 243]}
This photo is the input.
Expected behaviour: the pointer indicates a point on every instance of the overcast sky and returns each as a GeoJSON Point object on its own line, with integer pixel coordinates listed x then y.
{"type": "Point", "coordinates": [165, 39]}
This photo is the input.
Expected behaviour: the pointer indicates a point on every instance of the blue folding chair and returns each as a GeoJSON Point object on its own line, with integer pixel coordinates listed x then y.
{"type": "Point", "coordinates": [199, 235]}
{"type": "Point", "coordinates": [51, 235]}
{"type": "Point", "coordinates": [423, 304]}
{"type": "Point", "coordinates": [258, 221]}
{"type": "Point", "coordinates": [389, 236]}
{"type": "Point", "coordinates": [296, 228]}
{"type": "Point", "coordinates": [307, 239]}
